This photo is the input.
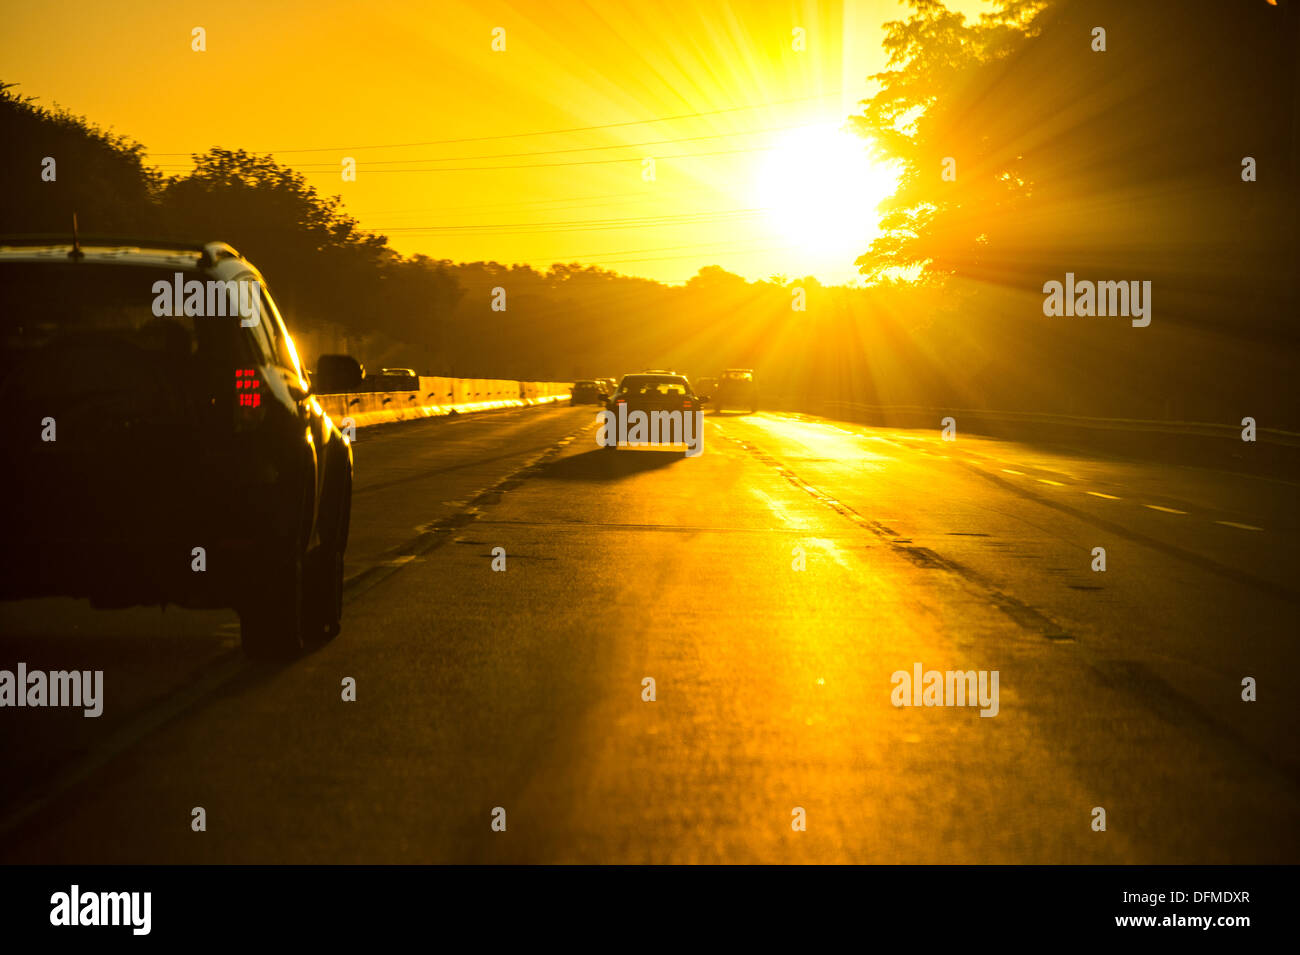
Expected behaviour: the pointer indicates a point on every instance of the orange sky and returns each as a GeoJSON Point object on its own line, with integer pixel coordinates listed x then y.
{"type": "Point", "coordinates": [750, 189]}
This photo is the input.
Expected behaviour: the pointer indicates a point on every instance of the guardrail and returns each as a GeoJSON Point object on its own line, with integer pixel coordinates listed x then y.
{"type": "Point", "coordinates": [441, 396]}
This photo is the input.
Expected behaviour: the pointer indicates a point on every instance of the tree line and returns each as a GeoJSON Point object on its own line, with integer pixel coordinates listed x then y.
{"type": "Point", "coordinates": [1027, 152]}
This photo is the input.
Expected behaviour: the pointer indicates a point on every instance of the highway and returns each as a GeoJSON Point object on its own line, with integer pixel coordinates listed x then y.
{"type": "Point", "coordinates": [770, 588]}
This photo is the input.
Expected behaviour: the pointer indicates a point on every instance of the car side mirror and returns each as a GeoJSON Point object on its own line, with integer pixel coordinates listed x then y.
{"type": "Point", "coordinates": [337, 374]}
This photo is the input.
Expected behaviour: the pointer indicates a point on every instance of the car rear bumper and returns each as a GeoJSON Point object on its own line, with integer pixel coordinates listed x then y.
{"type": "Point", "coordinates": [120, 539]}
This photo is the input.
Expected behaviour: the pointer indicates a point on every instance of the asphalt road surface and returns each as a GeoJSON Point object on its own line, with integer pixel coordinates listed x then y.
{"type": "Point", "coordinates": [770, 588]}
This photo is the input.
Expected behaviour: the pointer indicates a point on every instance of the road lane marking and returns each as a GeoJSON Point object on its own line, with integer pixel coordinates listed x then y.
{"type": "Point", "coordinates": [1244, 527]}
{"type": "Point", "coordinates": [1026, 616]}
{"type": "Point", "coordinates": [1046, 481]}
{"type": "Point", "coordinates": [780, 512]}
{"type": "Point", "coordinates": [231, 665]}
{"type": "Point", "coordinates": [1010, 471]}
{"type": "Point", "coordinates": [1274, 588]}
{"type": "Point", "coordinates": [1109, 497]}
{"type": "Point", "coordinates": [1167, 510]}
{"type": "Point", "coordinates": [135, 727]}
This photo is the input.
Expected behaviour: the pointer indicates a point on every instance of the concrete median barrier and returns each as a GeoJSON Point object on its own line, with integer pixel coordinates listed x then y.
{"type": "Point", "coordinates": [441, 396]}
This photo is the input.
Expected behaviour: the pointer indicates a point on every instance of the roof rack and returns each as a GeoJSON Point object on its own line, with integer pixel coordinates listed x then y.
{"type": "Point", "coordinates": [209, 253]}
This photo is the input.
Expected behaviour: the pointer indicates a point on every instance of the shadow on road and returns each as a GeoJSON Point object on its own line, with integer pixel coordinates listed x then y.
{"type": "Point", "coordinates": [601, 464]}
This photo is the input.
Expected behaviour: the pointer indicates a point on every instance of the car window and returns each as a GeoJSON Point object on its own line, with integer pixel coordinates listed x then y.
{"type": "Point", "coordinates": [286, 355]}
{"type": "Point", "coordinates": [44, 303]}
{"type": "Point", "coordinates": [655, 387]}
{"type": "Point", "coordinates": [260, 339]}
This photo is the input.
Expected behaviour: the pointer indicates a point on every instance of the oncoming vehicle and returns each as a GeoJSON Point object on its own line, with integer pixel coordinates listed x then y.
{"type": "Point", "coordinates": [167, 447]}
{"type": "Point", "coordinates": [588, 391]}
{"type": "Point", "coordinates": [670, 410]}
{"type": "Point", "coordinates": [736, 389]}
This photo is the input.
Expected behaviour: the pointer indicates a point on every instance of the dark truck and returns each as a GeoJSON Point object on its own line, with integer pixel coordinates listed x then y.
{"type": "Point", "coordinates": [736, 389]}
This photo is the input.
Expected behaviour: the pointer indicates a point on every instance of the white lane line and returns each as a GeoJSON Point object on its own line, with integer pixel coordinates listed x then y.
{"type": "Point", "coordinates": [1244, 527]}
{"type": "Point", "coordinates": [1046, 481]}
{"type": "Point", "coordinates": [1167, 510]}
{"type": "Point", "coordinates": [1109, 497]}
{"type": "Point", "coordinates": [1010, 471]}
{"type": "Point", "coordinates": [780, 511]}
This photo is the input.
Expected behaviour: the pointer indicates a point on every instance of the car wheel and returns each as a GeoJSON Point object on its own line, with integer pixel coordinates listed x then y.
{"type": "Point", "coordinates": [324, 594]}
{"type": "Point", "coordinates": [271, 622]}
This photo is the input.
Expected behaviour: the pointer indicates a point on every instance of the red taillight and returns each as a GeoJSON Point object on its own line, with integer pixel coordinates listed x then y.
{"type": "Point", "coordinates": [249, 409]}
{"type": "Point", "coordinates": [248, 387]}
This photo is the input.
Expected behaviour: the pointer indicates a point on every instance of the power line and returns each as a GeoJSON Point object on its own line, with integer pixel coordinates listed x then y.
{"type": "Point", "coordinates": [578, 225]}
{"type": "Point", "coordinates": [543, 152]}
{"type": "Point", "coordinates": [540, 132]}
{"type": "Point", "coordinates": [548, 165]}
{"type": "Point", "coordinates": [563, 260]}
{"type": "Point", "coordinates": [513, 225]}
{"type": "Point", "coordinates": [692, 255]}
{"type": "Point", "coordinates": [333, 171]}
{"type": "Point", "coordinates": [576, 201]}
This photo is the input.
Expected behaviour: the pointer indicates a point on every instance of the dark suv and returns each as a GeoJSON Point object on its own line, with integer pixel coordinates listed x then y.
{"type": "Point", "coordinates": [736, 389]}
{"type": "Point", "coordinates": [589, 391]}
{"type": "Point", "coordinates": [165, 445]}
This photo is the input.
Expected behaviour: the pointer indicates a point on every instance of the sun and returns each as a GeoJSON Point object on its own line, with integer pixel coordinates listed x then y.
{"type": "Point", "coordinates": [820, 191]}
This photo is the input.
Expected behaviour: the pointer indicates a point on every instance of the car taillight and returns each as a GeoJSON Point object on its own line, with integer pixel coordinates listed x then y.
{"type": "Point", "coordinates": [249, 411]}
{"type": "Point", "coordinates": [248, 388]}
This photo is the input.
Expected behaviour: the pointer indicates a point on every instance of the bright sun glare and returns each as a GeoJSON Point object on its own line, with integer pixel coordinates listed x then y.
{"type": "Point", "coordinates": [820, 191]}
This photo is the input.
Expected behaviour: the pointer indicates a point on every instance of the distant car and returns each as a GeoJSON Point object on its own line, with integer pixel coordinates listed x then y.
{"type": "Point", "coordinates": [394, 379]}
{"type": "Point", "coordinates": [654, 392]}
{"type": "Point", "coordinates": [706, 386]}
{"type": "Point", "coordinates": [611, 385]}
{"type": "Point", "coordinates": [171, 457]}
{"type": "Point", "coordinates": [736, 389]}
{"type": "Point", "coordinates": [588, 391]}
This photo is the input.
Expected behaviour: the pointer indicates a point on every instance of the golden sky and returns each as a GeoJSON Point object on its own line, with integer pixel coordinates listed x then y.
{"type": "Point", "coordinates": [534, 154]}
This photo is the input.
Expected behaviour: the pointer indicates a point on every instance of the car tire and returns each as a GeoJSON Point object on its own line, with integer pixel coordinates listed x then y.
{"type": "Point", "coordinates": [323, 598]}
{"type": "Point", "coordinates": [271, 622]}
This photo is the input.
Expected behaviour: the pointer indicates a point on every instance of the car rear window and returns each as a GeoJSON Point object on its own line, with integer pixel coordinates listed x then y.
{"type": "Point", "coordinates": [43, 303]}
{"type": "Point", "coordinates": [660, 386]}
